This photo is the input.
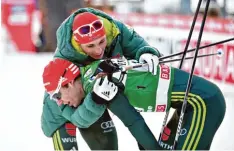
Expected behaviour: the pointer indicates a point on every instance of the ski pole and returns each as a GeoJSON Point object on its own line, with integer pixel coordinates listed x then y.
{"type": "Point", "coordinates": [184, 105]}
{"type": "Point", "coordinates": [191, 50]}
{"type": "Point", "coordinates": [184, 52]}
{"type": "Point", "coordinates": [129, 67]}
{"type": "Point", "coordinates": [122, 69]}
{"type": "Point", "coordinates": [219, 52]}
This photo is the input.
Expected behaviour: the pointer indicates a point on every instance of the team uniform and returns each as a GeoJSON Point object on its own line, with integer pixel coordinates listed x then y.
{"type": "Point", "coordinates": [158, 93]}
{"type": "Point", "coordinates": [57, 123]}
{"type": "Point", "coordinates": [122, 40]}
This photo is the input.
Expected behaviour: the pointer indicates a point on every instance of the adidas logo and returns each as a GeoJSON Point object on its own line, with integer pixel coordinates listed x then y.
{"type": "Point", "coordinates": [106, 93]}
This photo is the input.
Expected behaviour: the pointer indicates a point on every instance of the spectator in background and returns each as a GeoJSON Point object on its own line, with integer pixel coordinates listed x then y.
{"type": "Point", "coordinates": [214, 9]}
{"type": "Point", "coordinates": [102, 5]}
{"type": "Point", "coordinates": [54, 13]}
{"type": "Point", "coordinates": [185, 7]}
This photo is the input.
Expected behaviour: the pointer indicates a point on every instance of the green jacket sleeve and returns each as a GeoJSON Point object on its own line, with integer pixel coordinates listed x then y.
{"type": "Point", "coordinates": [133, 44]}
{"type": "Point", "coordinates": [85, 114]}
{"type": "Point", "coordinates": [51, 118]}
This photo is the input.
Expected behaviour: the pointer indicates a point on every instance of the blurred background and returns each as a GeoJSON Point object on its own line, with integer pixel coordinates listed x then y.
{"type": "Point", "coordinates": [28, 42]}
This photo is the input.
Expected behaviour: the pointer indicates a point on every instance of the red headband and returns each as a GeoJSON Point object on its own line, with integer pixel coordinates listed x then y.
{"type": "Point", "coordinates": [55, 70]}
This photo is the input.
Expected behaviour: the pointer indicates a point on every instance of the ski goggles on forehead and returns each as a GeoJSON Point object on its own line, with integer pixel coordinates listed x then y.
{"type": "Point", "coordinates": [56, 95]}
{"type": "Point", "coordinates": [89, 28]}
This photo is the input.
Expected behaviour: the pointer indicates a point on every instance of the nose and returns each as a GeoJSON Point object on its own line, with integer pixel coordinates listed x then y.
{"type": "Point", "coordinates": [66, 102]}
{"type": "Point", "coordinates": [98, 50]}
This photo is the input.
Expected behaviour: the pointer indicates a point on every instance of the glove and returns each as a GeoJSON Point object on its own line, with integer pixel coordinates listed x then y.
{"type": "Point", "coordinates": [151, 60]}
{"type": "Point", "coordinates": [107, 66]}
{"type": "Point", "coordinates": [103, 91]}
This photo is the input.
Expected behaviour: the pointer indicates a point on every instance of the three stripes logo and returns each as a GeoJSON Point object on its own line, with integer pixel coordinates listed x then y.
{"type": "Point", "coordinates": [73, 68]}
{"type": "Point", "coordinates": [106, 93]}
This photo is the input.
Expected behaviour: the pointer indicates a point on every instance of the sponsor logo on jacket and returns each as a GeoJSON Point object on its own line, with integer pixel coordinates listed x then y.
{"type": "Point", "coordinates": [165, 137]}
{"type": "Point", "coordinates": [70, 129]}
{"type": "Point", "coordinates": [68, 140]}
{"type": "Point", "coordinates": [161, 108]}
{"type": "Point", "coordinates": [107, 126]}
{"type": "Point", "coordinates": [165, 72]}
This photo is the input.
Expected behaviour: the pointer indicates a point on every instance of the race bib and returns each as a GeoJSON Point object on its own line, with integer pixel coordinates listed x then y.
{"type": "Point", "coordinates": [164, 89]}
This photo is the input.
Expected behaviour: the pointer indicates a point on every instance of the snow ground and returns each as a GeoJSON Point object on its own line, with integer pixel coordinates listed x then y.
{"type": "Point", "coordinates": [21, 106]}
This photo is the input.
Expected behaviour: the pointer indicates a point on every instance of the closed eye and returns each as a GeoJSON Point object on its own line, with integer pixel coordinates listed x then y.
{"type": "Point", "coordinates": [65, 86]}
{"type": "Point", "coordinates": [102, 41]}
{"type": "Point", "coordinates": [90, 46]}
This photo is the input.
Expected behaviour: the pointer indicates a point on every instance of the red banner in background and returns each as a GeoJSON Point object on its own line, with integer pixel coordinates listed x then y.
{"type": "Point", "coordinates": [17, 18]}
{"type": "Point", "coordinates": [220, 68]}
{"type": "Point", "coordinates": [217, 25]}
{"type": "Point", "coordinates": [229, 64]}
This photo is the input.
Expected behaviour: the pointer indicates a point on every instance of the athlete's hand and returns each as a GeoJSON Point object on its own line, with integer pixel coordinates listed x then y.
{"type": "Point", "coordinates": [151, 60]}
{"type": "Point", "coordinates": [108, 66]}
{"type": "Point", "coordinates": [103, 91]}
